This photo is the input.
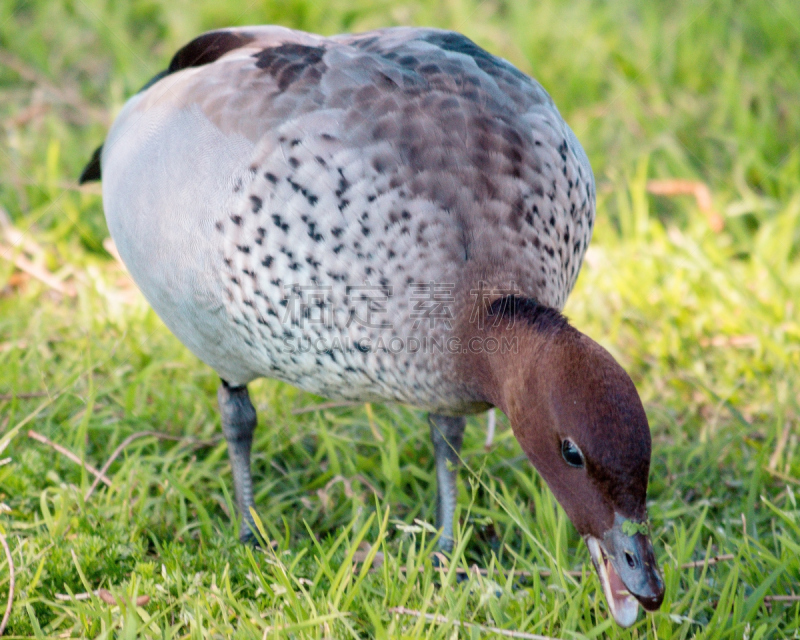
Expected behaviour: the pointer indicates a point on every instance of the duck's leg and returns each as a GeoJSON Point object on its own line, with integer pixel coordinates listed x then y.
{"type": "Point", "coordinates": [447, 434]}
{"type": "Point", "coordinates": [238, 424]}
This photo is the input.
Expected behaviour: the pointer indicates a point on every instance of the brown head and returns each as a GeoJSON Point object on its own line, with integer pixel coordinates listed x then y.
{"type": "Point", "coordinates": [579, 419]}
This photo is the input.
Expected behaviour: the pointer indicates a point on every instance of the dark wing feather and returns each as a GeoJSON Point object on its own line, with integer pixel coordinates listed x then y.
{"type": "Point", "coordinates": [91, 171]}
{"type": "Point", "coordinates": [204, 49]}
{"type": "Point", "coordinates": [208, 48]}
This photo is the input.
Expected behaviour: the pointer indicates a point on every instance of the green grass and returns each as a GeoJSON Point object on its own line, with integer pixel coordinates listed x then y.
{"type": "Point", "coordinates": [707, 324]}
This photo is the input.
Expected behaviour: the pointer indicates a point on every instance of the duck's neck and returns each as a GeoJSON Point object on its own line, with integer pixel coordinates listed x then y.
{"type": "Point", "coordinates": [513, 353]}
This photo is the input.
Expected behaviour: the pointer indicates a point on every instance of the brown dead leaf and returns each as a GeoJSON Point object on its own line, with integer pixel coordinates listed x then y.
{"type": "Point", "coordinates": [738, 342]}
{"type": "Point", "coordinates": [700, 191]}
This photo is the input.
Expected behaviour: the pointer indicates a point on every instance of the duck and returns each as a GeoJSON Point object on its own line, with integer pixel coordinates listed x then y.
{"type": "Point", "coordinates": [393, 216]}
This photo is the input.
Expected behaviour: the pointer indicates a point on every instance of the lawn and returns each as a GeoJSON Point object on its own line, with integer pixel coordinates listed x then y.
{"type": "Point", "coordinates": [694, 286]}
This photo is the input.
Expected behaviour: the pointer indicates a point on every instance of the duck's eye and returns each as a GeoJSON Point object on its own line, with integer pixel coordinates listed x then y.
{"type": "Point", "coordinates": [572, 454]}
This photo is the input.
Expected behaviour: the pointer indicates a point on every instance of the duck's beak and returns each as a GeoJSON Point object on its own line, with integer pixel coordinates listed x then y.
{"type": "Point", "coordinates": [628, 572]}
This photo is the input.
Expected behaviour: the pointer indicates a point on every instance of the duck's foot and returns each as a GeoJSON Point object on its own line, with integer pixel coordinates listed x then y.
{"type": "Point", "coordinates": [440, 560]}
{"type": "Point", "coordinates": [251, 539]}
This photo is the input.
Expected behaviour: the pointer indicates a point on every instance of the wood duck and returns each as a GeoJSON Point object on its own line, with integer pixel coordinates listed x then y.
{"type": "Point", "coordinates": [393, 216]}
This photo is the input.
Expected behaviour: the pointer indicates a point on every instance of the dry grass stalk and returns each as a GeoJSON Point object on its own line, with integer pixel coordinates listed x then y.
{"type": "Point", "coordinates": [90, 187]}
{"type": "Point", "coordinates": [325, 499]}
{"type": "Point", "coordinates": [730, 341]}
{"type": "Point", "coordinates": [11, 584]}
{"type": "Point", "coordinates": [469, 625]}
{"type": "Point", "coordinates": [323, 406]}
{"type": "Point", "coordinates": [104, 594]}
{"type": "Point", "coordinates": [69, 96]}
{"type": "Point", "coordinates": [108, 245]}
{"type": "Point", "coordinates": [364, 548]}
{"type": "Point", "coordinates": [371, 419]}
{"type": "Point", "coordinates": [20, 242]}
{"type": "Point", "coordinates": [33, 111]}
{"type": "Point", "coordinates": [40, 273]}
{"type": "Point", "coordinates": [129, 440]}
{"type": "Point", "coordinates": [782, 476]}
{"type": "Point", "coordinates": [18, 239]}
{"type": "Point", "coordinates": [725, 557]}
{"type": "Point", "coordinates": [99, 476]}
{"type": "Point", "coordinates": [22, 396]}
{"type": "Point", "coordinates": [775, 458]}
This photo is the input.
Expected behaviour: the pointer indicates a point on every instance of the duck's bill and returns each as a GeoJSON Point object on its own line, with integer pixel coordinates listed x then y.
{"type": "Point", "coordinates": [628, 572]}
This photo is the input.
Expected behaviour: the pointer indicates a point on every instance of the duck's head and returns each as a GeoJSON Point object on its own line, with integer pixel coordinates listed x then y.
{"type": "Point", "coordinates": [579, 419]}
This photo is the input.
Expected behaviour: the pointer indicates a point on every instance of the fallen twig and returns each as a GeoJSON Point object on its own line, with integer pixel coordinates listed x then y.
{"type": "Point", "coordinates": [126, 442]}
{"type": "Point", "coordinates": [700, 191]}
{"type": "Point", "coordinates": [323, 406]}
{"type": "Point", "coordinates": [68, 454]}
{"type": "Point", "coordinates": [11, 584]}
{"type": "Point", "coordinates": [104, 594]}
{"type": "Point", "coordinates": [469, 625]}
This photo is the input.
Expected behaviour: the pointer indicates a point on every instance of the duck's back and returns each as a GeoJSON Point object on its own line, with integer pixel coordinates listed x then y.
{"type": "Point", "coordinates": [278, 188]}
